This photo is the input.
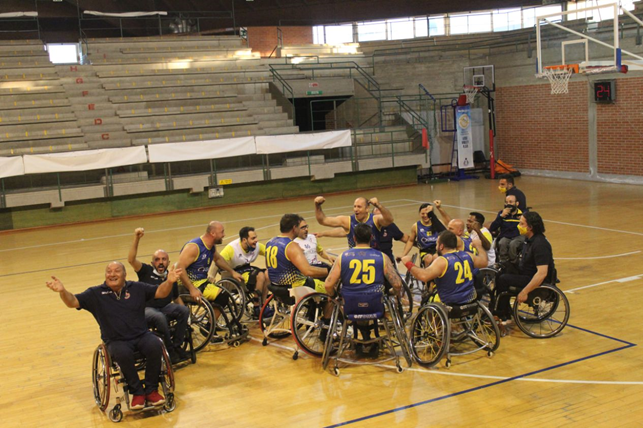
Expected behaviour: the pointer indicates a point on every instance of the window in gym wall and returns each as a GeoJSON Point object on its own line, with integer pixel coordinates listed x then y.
{"type": "Point", "coordinates": [458, 24]}
{"type": "Point", "coordinates": [529, 15]}
{"type": "Point", "coordinates": [436, 26]}
{"type": "Point", "coordinates": [63, 53]}
{"type": "Point", "coordinates": [401, 28]}
{"type": "Point", "coordinates": [479, 23]}
{"type": "Point", "coordinates": [336, 34]}
{"type": "Point", "coordinates": [318, 35]}
{"type": "Point", "coordinates": [421, 27]}
{"type": "Point", "coordinates": [371, 31]}
{"type": "Point", "coordinates": [507, 20]}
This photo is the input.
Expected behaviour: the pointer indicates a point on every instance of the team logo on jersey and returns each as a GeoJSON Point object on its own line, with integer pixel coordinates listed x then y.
{"type": "Point", "coordinates": [127, 295]}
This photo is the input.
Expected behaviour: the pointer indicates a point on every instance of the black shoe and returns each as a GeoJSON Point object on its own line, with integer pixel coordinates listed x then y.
{"type": "Point", "coordinates": [216, 339]}
{"type": "Point", "coordinates": [374, 352]}
{"type": "Point", "coordinates": [183, 355]}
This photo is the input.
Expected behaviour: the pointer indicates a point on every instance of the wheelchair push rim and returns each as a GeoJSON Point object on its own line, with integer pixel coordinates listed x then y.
{"type": "Point", "coordinates": [307, 323]}
{"type": "Point", "coordinates": [101, 376]}
{"type": "Point", "coordinates": [201, 322]}
{"type": "Point", "coordinates": [430, 335]}
{"type": "Point", "coordinates": [544, 314]}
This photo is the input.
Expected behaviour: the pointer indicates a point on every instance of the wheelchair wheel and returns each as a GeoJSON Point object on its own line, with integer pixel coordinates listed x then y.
{"type": "Point", "coordinates": [200, 323]}
{"type": "Point", "coordinates": [330, 344]}
{"type": "Point", "coordinates": [280, 319]}
{"type": "Point", "coordinates": [488, 280]}
{"type": "Point", "coordinates": [307, 323]}
{"type": "Point", "coordinates": [237, 297]}
{"type": "Point", "coordinates": [544, 314]}
{"type": "Point", "coordinates": [101, 376]}
{"type": "Point", "coordinates": [167, 374]}
{"type": "Point", "coordinates": [430, 334]}
{"type": "Point", "coordinates": [485, 331]}
{"type": "Point", "coordinates": [405, 302]}
{"type": "Point", "coordinates": [116, 414]}
{"type": "Point", "coordinates": [400, 333]}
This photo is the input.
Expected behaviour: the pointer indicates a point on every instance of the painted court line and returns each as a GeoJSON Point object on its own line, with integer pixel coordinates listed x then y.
{"type": "Point", "coordinates": [599, 257]}
{"type": "Point", "coordinates": [617, 280]}
{"type": "Point", "coordinates": [501, 380]}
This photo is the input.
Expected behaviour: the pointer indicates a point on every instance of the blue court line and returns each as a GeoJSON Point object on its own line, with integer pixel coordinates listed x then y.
{"type": "Point", "coordinates": [498, 382]}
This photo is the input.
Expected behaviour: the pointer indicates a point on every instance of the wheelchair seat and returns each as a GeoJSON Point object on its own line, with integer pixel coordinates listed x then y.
{"type": "Point", "coordinates": [460, 311]}
{"type": "Point", "coordinates": [282, 293]}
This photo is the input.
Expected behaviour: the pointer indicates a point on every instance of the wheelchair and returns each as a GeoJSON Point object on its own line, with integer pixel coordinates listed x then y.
{"type": "Point", "coordinates": [295, 311]}
{"type": "Point", "coordinates": [440, 329]}
{"type": "Point", "coordinates": [188, 342]}
{"type": "Point", "coordinates": [202, 324]}
{"type": "Point", "coordinates": [350, 316]}
{"type": "Point", "coordinates": [544, 314]}
{"type": "Point", "coordinates": [106, 375]}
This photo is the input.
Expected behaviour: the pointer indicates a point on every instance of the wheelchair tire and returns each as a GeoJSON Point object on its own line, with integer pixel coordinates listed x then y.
{"type": "Point", "coordinates": [307, 325]}
{"type": "Point", "coordinates": [405, 302]}
{"type": "Point", "coordinates": [116, 414]}
{"type": "Point", "coordinates": [170, 403]}
{"type": "Point", "coordinates": [278, 319]}
{"type": "Point", "coordinates": [429, 336]}
{"type": "Point", "coordinates": [330, 336]}
{"type": "Point", "coordinates": [101, 376]}
{"type": "Point", "coordinates": [201, 322]}
{"type": "Point", "coordinates": [167, 374]}
{"type": "Point", "coordinates": [486, 331]}
{"type": "Point", "coordinates": [237, 293]}
{"type": "Point", "coordinates": [401, 337]}
{"type": "Point", "coordinates": [544, 314]}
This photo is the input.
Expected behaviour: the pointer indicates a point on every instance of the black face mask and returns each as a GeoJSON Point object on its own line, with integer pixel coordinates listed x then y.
{"type": "Point", "coordinates": [511, 207]}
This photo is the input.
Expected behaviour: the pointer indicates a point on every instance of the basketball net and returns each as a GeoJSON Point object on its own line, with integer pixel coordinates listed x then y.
{"type": "Point", "coordinates": [559, 79]}
{"type": "Point", "coordinates": [471, 92]}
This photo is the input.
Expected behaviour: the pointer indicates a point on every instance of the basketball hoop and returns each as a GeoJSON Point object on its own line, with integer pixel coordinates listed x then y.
{"type": "Point", "coordinates": [558, 76]}
{"type": "Point", "coordinates": [471, 92]}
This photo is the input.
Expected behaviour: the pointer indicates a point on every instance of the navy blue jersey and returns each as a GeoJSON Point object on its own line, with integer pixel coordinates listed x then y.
{"type": "Point", "coordinates": [426, 238]}
{"type": "Point", "coordinates": [375, 232]}
{"type": "Point", "coordinates": [281, 270]}
{"type": "Point", "coordinates": [362, 270]}
{"type": "Point", "coordinates": [455, 285]}
{"type": "Point", "coordinates": [198, 270]}
{"type": "Point", "coordinates": [387, 235]}
{"type": "Point", "coordinates": [469, 248]}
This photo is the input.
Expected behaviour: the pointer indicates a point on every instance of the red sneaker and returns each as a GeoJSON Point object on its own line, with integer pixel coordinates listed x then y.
{"type": "Point", "coordinates": [155, 399]}
{"type": "Point", "coordinates": [138, 402]}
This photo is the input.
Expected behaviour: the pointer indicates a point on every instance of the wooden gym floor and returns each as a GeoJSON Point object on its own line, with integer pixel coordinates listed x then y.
{"type": "Point", "coordinates": [589, 375]}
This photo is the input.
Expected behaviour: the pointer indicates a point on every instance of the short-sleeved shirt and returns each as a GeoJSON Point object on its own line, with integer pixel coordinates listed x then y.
{"type": "Point", "coordinates": [387, 235]}
{"type": "Point", "coordinates": [148, 275]}
{"type": "Point", "coordinates": [535, 252]}
{"type": "Point", "coordinates": [120, 316]}
{"type": "Point", "coordinates": [311, 248]}
{"type": "Point", "coordinates": [240, 259]}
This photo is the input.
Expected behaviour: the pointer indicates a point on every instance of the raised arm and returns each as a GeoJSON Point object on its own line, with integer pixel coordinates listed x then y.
{"type": "Point", "coordinates": [339, 221]}
{"type": "Point", "coordinates": [68, 298]}
{"type": "Point", "coordinates": [186, 258]}
{"type": "Point", "coordinates": [296, 256]}
{"type": "Point", "coordinates": [385, 217]}
{"type": "Point", "coordinates": [443, 213]}
{"type": "Point", "coordinates": [337, 232]}
{"type": "Point", "coordinates": [133, 250]}
{"type": "Point", "coordinates": [486, 244]}
{"type": "Point", "coordinates": [166, 287]}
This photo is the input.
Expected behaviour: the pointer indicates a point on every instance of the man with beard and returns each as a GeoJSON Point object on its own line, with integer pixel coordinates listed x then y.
{"type": "Point", "coordinates": [195, 259]}
{"type": "Point", "coordinates": [361, 215]}
{"type": "Point", "coordinates": [311, 248]}
{"type": "Point", "coordinates": [158, 312]}
{"type": "Point", "coordinates": [452, 270]}
{"type": "Point", "coordinates": [119, 308]}
{"type": "Point", "coordinates": [509, 241]}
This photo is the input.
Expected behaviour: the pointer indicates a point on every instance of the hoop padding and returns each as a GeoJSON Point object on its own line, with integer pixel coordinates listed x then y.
{"type": "Point", "coordinates": [471, 93]}
{"type": "Point", "coordinates": [558, 78]}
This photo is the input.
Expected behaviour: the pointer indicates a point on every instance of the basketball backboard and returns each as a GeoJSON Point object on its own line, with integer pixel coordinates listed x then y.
{"type": "Point", "coordinates": [480, 76]}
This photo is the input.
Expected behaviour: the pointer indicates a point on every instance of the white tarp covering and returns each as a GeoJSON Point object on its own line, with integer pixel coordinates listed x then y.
{"type": "Point", "coordinates": [124, 15]}
{"type": "Point", "coordinates": [212, 149]}
{"type": "Point", "coordinates": [85, 160]}
{"type": "Point", "coordinates": [18, 14]}
{"type": "Point", "coordinates": [10, 167]}
{"type": "Point", "coordinates": [303, 142]}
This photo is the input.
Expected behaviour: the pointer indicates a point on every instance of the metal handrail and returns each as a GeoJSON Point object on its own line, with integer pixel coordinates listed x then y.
{"type": "Point", "coordinates": [284, 87]}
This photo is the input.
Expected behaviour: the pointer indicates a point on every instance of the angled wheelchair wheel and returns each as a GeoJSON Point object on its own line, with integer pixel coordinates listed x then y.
{"type": "Point", "coordinates": [430, 334]}
{"type": "Point", "coordinates": [237, 297]}
{"type": "Point", "coordinates": [201, 321]}
{"type": "Point", "coordinates": [488, 280]}
{"type": "Point", "coordinates": [404, 302]}
{"type": "Point", "coordinates": [401, 339]}
{"type": "Point", "coordinates": [167, 374]}
{"type": "Point", "coordinates": [544, 314]}
{"type": "Point", "coordinates": [332, 336]}
{"type": "Point", "coordinates": [101, 376]}
{"type": "Point", "coordinates": [277, 323]}
{"type": "Point", "coordinates": [485, 331]}
{"type": "Point", "coordinates": [308, 327]}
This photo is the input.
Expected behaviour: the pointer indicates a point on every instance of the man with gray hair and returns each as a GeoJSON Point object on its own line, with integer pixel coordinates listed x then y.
{"type": "Point", "coordinates": [119, 308]}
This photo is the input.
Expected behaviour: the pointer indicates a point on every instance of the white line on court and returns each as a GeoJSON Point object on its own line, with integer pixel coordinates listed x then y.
{"type": "Point", "coordinates": [618, 280]}
{"type": "Point", "coordinates": [192, 226]}
{"type": "Point", "coordinates": [598, 257]}
{"type": "Point", "coordinates": [523, 379]}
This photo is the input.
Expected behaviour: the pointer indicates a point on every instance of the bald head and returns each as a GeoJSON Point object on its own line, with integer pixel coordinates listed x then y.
{"type": "Point", "coordinates": [456, 226]}
{"type": "Point", "coordinates": [115, 274]}
{"type": "Point", "coordinates": [212, 225]}
{"type": "Point", "coordinates": [160, 260]}
{"type": "Point", "coordinates": [216, 231]}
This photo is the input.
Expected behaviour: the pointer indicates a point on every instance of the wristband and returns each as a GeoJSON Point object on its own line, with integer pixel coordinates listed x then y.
{"type": "Point", "coordinates": [409, 265]}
